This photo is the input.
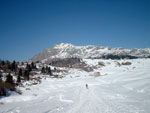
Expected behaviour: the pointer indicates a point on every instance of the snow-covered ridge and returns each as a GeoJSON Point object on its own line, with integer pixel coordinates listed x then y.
{"type": "Point", "coordinates": [65, 50]}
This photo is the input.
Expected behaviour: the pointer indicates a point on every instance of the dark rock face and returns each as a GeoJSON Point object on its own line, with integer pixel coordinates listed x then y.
{"type": "Point", "coordinates": [71, 63]}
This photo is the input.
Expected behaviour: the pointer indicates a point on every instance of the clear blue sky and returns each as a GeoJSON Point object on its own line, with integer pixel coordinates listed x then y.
{"type": "Point", "coordinates": [28, 26]}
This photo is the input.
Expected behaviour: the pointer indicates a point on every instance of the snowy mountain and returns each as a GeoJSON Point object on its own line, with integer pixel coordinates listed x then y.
{"type": "Point", "coordinates": [65, 50]}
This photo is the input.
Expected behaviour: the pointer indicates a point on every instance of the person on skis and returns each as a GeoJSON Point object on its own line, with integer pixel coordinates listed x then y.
{"type": "Point", "coordinates": [86, 86]}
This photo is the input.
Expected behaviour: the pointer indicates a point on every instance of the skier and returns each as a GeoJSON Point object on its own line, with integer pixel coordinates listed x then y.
{"type": "Point", "coordinates": [86, 86]}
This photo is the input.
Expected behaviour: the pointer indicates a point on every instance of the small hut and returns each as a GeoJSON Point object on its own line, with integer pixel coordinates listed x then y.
{"type": "Point", "coordinates": [96, 74]}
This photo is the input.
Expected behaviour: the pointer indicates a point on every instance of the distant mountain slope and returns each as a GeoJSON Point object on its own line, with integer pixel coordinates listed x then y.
{"type": "Point", "coordinates": [65, 50]}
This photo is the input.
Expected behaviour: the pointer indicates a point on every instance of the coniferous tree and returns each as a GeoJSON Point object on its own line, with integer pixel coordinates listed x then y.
{"type": "Point", "coordinates": [3, 62]}
{"type": "Point", "coordinates": [49, 71]}
{"type": "Point", "coordinates": [9, 66]}
{"type": "Point", "coordinates": [20, 72]}
{"type": "Point", "coordinates": [9, 79]}
{"type": "Point", "coordinates": [18, 79]}
{"type": "Point", "coordinates": [28, 67]}
{"type": "Point", "coordinates": [19, 75]}
{"type": "Point", "coordinates": [22, 63]}
{"type": "Point", "coordinates": [0, 77]}
{"type": "Point", "coordinates": [33, 66]}
{"type": "Point", "coordinates": [46, 69]}
{"type": "Point", "coordinates": [26, 74]}
{"type": "Point", "coordinates": [13, 66]}
{"type": "Point", "coordinates": [43, 70]}
{"type": "Point", "coordinates": [3, 92]}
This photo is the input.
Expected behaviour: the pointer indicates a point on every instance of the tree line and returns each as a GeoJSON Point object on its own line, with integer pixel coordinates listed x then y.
{"type": "Point", "coordinates": [14, 69]}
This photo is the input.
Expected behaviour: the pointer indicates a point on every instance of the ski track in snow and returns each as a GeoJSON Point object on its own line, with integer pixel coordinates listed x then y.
{"type": "Point", "coordinates": [120, 92]}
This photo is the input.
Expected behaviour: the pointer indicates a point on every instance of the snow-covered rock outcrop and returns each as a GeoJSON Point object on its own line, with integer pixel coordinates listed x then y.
{"type": "Point", "coordinates": [65, 50]}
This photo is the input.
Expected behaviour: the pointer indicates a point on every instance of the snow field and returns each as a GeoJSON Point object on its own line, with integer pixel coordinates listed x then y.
{"type": "Point", "coordinates": [124, 89]}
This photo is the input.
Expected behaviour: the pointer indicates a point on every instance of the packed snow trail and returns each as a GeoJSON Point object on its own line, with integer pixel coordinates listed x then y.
{"type": "Point", "coordinates": [121, 91]}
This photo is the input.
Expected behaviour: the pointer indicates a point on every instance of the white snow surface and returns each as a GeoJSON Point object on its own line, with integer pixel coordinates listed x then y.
{"type": "Point", "coordinates": [119, 89]}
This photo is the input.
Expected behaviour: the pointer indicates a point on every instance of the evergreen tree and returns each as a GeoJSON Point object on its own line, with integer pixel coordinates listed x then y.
{"type": "Point", "coordinates": [22, 63]}
{"type": "Point", "coordinates": [28, 67]}
{"type": "Point", "coordinates": [20, 72]}
{"type": "Point", "coordinates": [9, 79]}
{"type": "Point", "coordinates": [0, 77]}
{"type": "Point", "coordinates": [13, 66]}
{"type": "Point", "coordinates": [18, 79]}
{"type": "Point", "coordinates": [19, 75]}
{"type": "Point", "coordinates": [43, 70]}
{"type": "Point", "coordinates": [46, 69]}
{"type": "Point", "coordinates": [3, 62]}
{"type": "Point", "coordinates": [33, 66]}
{"type": "Point", "coordinates": [9, 66]}
{"type": "Point", "coordinates": [26, 74]}
{"type": "Point", "coordinates": [49, 71]}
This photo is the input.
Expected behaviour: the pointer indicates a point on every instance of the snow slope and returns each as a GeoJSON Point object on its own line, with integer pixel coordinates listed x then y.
{"type": "Point", "coordinates": [120, 89]}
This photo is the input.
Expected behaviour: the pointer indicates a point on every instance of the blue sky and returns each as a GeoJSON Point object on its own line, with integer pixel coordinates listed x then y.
{"type": "Point", "coordinates": [28, 26]}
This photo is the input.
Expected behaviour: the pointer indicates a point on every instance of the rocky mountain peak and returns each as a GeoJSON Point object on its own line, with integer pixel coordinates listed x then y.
{"type": "Point", "coordinates": [66, 50]}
